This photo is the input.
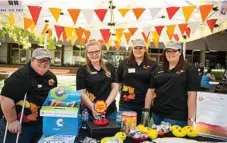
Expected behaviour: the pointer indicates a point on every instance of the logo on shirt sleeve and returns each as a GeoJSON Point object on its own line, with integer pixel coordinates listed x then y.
{"type": "Point", "coordinates": [51, 82]}
{"type": "Point", "coordinates": [108, 74]}
{"type": "Point", "coordinates": [128, 93]}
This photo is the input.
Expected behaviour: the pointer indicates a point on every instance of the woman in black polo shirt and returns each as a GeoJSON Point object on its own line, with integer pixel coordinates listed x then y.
{"type": "Point", "coordinates": [134, 78]}
{"type": "Point", "coordinates": [175, 84]}
{"type": "Point", "coordinates": [97, 80]}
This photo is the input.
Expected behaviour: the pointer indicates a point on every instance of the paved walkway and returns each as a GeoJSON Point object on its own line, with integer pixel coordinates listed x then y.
{"type": "Point", "coordinates": [70, 71]}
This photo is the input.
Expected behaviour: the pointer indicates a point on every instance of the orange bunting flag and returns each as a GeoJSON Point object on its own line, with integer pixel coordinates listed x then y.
{"type": "Point", "coordinates": [73, 39]}
{"type": "Point", "coordinates": [59, 30]}
{"type": "Point", "coordinates": [211, 23]}
{"type": "Point", "coordinates": [55, 13]}
{"type": "Point", "coordinates": [123, 11]}
{"type": "Point", "coordinates": [50, 32]}
{"type": "Point", "coordinates": [35, 12]}
{"type": "Point", "coordinates": [101, 13]}
{"type": "Point", "coordinates": [187, 11]}
{"type": "Point", "coordinates": [138, 12]}
{"type": "Point", "coordinates": [117, 45]}
{"type": "Point", "coordinates": [87, 35]}
{"type": "Point", "coordinates": [32, 26]}
{"type": "Point", "coordinates": [79, 32]}
{"type": "Point", "coordinates": [81, 40]}
{"type": "Point", "coordinates": [188, 31]}
{"type": "Point", "coordinates": [45, 28]}
{"type": "Point", "coordinates": [176, 37]}
{"type": "Point", "coordinates": [182, 27]}
{"type": "Point", "coordinates": [74, 13]}
{"type": "Point", "coordinates": [108, 44]}
{"type": "Point", "coordinates": [159, 29]}
{"type": "Point", "coordinates": [68, 32]}
{"type": "Point", "coordinates": [155, 38]}
{"type": "Point", "coordinates": [171, 11]}
{"type": "Point", "coordinates": [11, 19]}
{"type": "Point", "coordinates": [119, 34]}
{"type": "Point", "coordinates": [27, 23]}
{"type": "Point", "coordinates": [132, 31]}
{"type": "Point", "coordinates": [170, 31]}
{"type": "Point", "coordinates": [127, 36]}
{"type": "Point", "coordinates": [205, 10]}
{"type": "Point", "coordinates": [105, 34]}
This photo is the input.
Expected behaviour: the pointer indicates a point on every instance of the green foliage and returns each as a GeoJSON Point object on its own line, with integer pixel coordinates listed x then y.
{"type": "Point", "coordinates": [22, 38]}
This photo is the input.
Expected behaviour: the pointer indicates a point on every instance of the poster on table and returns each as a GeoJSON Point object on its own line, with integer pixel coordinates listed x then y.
{"type": "Point", "coordinates": [211, 116]}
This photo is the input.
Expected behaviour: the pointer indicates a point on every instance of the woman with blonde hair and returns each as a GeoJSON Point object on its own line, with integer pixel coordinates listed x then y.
{"type": "Point", "coordinates": [134, 77]}
{"type": "Point", "coordinates": [97, 80]}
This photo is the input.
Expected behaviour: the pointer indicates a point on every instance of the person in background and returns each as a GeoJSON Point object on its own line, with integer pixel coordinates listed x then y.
{"type": "Point", "coordinates": [97, 80]}
{"type": "Point", "coordinates": [225, 74]}
{"type": "Point", "coordinates": [134, 78]}
{"type": "Point", "coordinates": [36, 80]}
{"type": "Point", "coordinates": [175, 83]}
{"type": "Point", "coordinates": [201, 70]}
{"type": "Point", "coordinates": [206, 78]}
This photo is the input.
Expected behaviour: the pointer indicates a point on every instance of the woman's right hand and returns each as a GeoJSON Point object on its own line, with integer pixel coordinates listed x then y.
{"type": "Point", "coordinates": [94, 113]}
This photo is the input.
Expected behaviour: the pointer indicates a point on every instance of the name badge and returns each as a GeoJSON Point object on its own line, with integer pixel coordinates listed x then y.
{"type": "Point", "coordinates": [39, 85]}
{"type": "Point", "coordinates": [95, 72]}
{"type": "Point", "coordinates": [132, 70]}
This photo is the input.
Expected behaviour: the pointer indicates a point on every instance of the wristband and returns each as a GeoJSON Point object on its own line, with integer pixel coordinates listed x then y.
{"type": "Point", "coordinates": [146, 110]}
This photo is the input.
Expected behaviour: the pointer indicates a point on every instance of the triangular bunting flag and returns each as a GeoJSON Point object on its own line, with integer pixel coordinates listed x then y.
{"type": "Point", "coordinates": [187, 11]}
{"type": "Point", "coordinates": [145, 37]}
{"type": "Point", "coordinates": [55, 13]}
{"type": "Point", "coordinates": [79, 33]}
{"type": "Point", "coordinates": [11, 19]}
{"type": "Point", "coordinates": [59, 30]}
{"type": "Point", "coordinates": [154, 12]}
{"type": "Point", "coordinates": [127, 36]}
{"type": "Point", "coordinates": [45, 28]}
{"type": "Point", "coordinates": [87, 35]}
{"type": "Point", "coordinates": [50, 33]}
{"type": "Point", "coordinates": [64, 36]}
{"type": "Point", "coordinates": [148, 43]}
{"type": "Point", "coordinates": [123, 11]}
{"type": "Point", "coordinates": [171, 11]}
{"type": "Point", "coordinates": [147, 30]}
{"type": "Point", "coordinates": [188, 31]}
{"type": "Point", "coordinates": [159, 29]}
{"type": "Point", "coordinates": [119, 34]}
{"type": "Point", "coordinates": [101, 13]}
{"type": "Point", "coordinates": [155, 38]}
{"type": "Point", "coordinates": [74, 13]}
{"type": "Point", "coordinates": [35, 11]}
{"type": "Point", "coordinates": [105, 34]}
{"type": "Point", "coordinates": [73, 39]}
{"type": "Point", "coordinates": [108, 44]}
{"type": "Point", "coordinates": [117, 45]}
{"type": "Point", "coordinates": [132, 31]}
{"type": "Point", "coordinates": [193, 26]}
{"type": "Point", "coordinates": [68, 32]}
{"type": "Point", "coordinates": [88, 14]}
{"type": "Point", "coordinates": [27, 23]}
{"type": "Point", "coordinates": [211, 23]}
{"type": "Point", "coordinates": [138, 12]}
{"type": "Point", "coordinates": [176, 37]}
{"type": "Point", "coordinates": [170, 31]}
{"type": "Point", "coordinates": [205, 10]}
{"type": "Point", "coordinates": [32, 26]}
{"type": "Point", "coordinates": [182, 27]}
{"type": "Point", "coordinates": [81, 40]}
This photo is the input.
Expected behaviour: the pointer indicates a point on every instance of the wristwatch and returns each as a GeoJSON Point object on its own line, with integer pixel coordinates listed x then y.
{"type": "Point", "coordinates": [191, 119]}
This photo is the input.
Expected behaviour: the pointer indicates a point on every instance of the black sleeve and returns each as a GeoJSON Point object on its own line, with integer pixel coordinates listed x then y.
{"type": "Point", "coordinates": [56, 81]}
{"type": "Point", "coordinates": [193, 79]}
{"type": "Point", "coordinates": [120, 72]}
{"type": "Point", "coordinates": [152, 79]}
{"type": "Point", "coordinates": [113, 73]}
{"type": "Point", "coordinates": [80, 78]}
{"type": "Point", "coordinates": [15, 87]}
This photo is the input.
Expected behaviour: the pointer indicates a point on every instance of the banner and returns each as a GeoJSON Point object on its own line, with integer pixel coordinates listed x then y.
{"type": "Point", "coordinates": [11, 6]}
{"type": "Point", "coordinates": [211, 119]}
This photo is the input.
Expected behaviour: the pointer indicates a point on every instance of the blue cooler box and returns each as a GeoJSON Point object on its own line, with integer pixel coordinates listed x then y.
{"type": "Point", "coordinates": [60, 112]}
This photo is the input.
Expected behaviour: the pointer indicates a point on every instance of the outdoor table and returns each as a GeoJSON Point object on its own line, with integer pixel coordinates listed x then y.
{"type": "Point", "coordinates": [84, 133]}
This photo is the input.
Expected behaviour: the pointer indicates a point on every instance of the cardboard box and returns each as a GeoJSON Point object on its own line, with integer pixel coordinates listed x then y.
{"type": "Point", "coordinates": [60, 112]}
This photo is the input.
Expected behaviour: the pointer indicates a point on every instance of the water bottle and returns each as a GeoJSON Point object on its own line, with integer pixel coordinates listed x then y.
{"type": "Point", "coordinates": [145, 117]}
{"type": "Point", "coordinates": [85, 116]}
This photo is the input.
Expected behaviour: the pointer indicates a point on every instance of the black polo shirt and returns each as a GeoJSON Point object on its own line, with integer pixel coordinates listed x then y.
{"type": "Point", "coordinates": [135, 81]}
{"type": "Point", "coordinates": [97, 83]}
{"type": "Point", "coordinates": [37, 87]}
{"type": "Point", "coordinates": [171, 89]}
